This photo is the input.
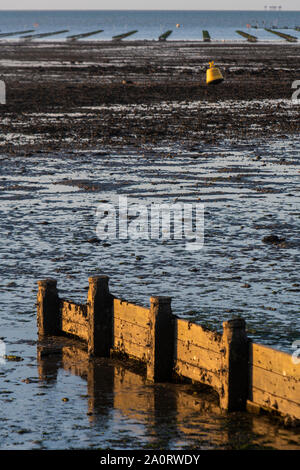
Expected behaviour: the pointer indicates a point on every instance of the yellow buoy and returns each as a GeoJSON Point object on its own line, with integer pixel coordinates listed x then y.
{"type": "Point", "coordinates": [213, 75]}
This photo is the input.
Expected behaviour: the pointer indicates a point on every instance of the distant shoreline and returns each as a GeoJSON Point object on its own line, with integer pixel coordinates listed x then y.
{"type": "Point", "coordinates": [145, 10]}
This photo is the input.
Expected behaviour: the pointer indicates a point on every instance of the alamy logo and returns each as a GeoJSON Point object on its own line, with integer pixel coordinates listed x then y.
{"type": "Point", "coordinates": [296, 354]}
{"type": "Point", "coordinates": [296, 85]}
{"type": "Point", "coordinates": [2, 92]}
{"type": "Point", "coordinates": [178, 221]}
{"type": "Point", "coordinates": [2, 352]}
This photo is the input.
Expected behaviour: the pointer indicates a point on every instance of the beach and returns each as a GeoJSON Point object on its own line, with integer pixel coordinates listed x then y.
{"type": "Point", "coordinates": [132, 93]}
{"type": "Point", "coordinates": [87, 122]}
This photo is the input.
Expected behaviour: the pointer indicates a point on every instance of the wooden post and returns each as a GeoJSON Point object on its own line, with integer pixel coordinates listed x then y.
{"type": "Point", "coordinates": [235, 365]}
{"type": "Point", "coordinates": [161, 330]}
{"type": "Point", "coordinates": [48, 311]}
{"type": "Point", "coordinates": [99, 313]}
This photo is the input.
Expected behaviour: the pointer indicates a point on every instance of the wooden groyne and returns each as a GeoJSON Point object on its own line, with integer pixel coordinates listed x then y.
{"type": "Point", "coordinates": [244, 374]}
{"type": "Point", "coordinates": [285, 36]}
{"type": "Point", "coordinates": [119, 37]}
{"type": "Point", "coordinates": [44, 35]}
{"type": "Point", "coordinates": [248, 36]}
{"type": "Point", "coordinates": [164, 36]}
{"type": "Point", "coordinates": [15, 33]}
{"type": "Point", "coordinates": [75, 37]}
{"type": "Point", "coordinates": [206, 36]}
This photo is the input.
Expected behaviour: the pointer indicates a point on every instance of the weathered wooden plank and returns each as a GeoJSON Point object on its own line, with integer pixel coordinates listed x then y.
{"type": "Point", "coordinates": [277, 385]}
{"type": "Point", "coordinates": [276, 361]}
{"type": "Point", "coordinates": [198, 356]}
{"type": "Point", "coordinates": [75, 329]}
{"type": "Point", "coordinates": [197, 335]}
{"type": "Point", "coordinates": [131, 313]}
{"type": "Point", "coordinates": [198, 374]}
{"type": "Point", "coordinates": [130, 332]}
{"type": "Point", "coordinates": [72, 310]}
{"type": "Point", "coordinates": [74, 320]}
{"type": "Point", "coordinates": [131, 349]}
{"type": "Point", "coordinates": [281, 405]}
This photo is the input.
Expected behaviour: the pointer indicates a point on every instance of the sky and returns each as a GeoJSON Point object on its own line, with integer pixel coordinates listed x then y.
{"type": "Point", "coordinates": [145, 4]}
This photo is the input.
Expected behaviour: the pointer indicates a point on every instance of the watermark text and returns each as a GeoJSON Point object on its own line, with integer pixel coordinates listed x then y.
{"type": "Point", "coordinates": [296, 353]}
{"type": "Point", "coordinates": [178, 221]}
{"type": "Point", "coordinates": [2, 92]}
{"type": "Point", "coordinates": [2, 352]}
{"type": "Point", "coordinates": [296, 94]}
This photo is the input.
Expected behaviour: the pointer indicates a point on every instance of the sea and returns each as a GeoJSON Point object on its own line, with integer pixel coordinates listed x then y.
{"type": "Point", "coordinates": [185, 25]}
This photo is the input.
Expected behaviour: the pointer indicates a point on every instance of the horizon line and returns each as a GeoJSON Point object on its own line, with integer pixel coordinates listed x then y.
{"type": "Point", "coordinates": [147, 9]}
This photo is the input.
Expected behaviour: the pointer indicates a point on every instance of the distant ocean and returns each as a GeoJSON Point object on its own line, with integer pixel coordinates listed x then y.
{"type": "Point", "coordinates": [186, 25]}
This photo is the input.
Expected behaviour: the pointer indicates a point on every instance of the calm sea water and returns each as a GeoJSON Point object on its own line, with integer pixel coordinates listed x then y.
{"type": "Point", "coordinates": [150, 24]}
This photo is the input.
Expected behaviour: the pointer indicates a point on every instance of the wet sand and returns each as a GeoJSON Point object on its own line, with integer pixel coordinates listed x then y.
{"type": "Point", "coordinates": [91, 94]}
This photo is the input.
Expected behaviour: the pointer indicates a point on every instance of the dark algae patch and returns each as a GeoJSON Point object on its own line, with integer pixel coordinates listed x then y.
{"type": "Point", "coordinates": [93, 94]}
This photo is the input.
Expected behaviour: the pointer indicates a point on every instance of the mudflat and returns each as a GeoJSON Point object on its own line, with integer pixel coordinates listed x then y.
{"type": "Point", "coordinates": [90, 94]}
{"type": "Point", "coordinates": [88, 122]}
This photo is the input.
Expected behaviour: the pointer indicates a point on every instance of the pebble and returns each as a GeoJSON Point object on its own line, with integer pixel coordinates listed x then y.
{"type": "Point", "coordinates": [273, 239]}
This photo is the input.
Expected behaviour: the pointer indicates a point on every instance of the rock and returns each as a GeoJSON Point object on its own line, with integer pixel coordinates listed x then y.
{"type": "Point", "coordinates": [273, 239]}
{"type": "Point", "coordinates": [27, 381]}
{"type": "Point", "coordinates": [11, 284]}
{"type": "Point", "coordinates": [93, 240]}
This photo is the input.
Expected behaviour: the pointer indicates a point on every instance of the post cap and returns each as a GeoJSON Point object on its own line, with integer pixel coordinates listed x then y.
{"type": "Point", "coordinates": [47, 282]}
{"type": "Point", "coordinates": [160, 299]}
{"type": "Point", "coordinates": [235, 323]}
{"type": "Point", "coordinates": [98, 279]}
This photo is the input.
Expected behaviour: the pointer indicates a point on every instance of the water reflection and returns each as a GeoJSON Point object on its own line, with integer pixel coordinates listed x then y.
{"type": "Point", "coordinates": [125, 411]}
